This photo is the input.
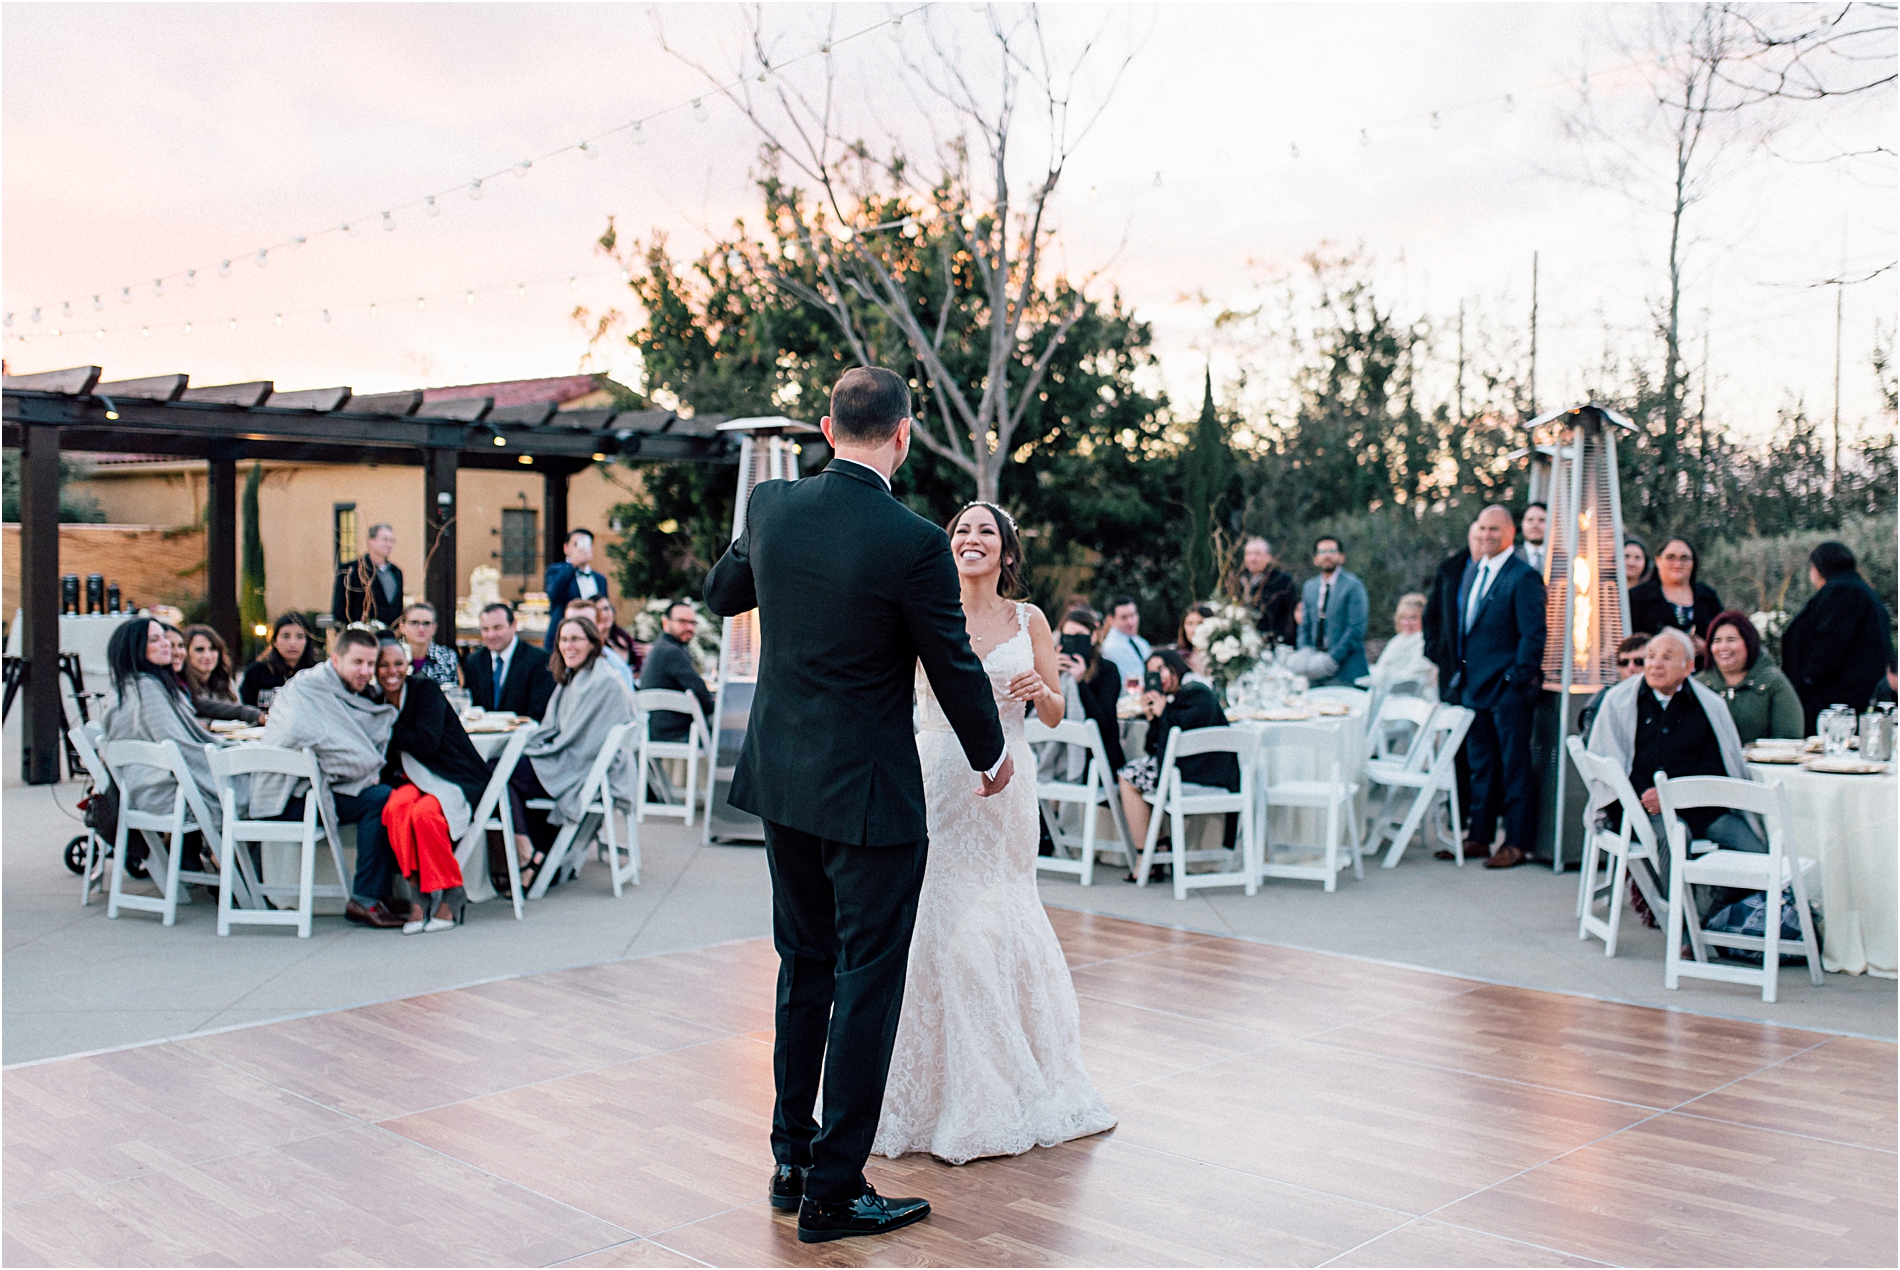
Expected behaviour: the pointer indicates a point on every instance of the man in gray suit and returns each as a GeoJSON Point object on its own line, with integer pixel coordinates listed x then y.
{"type": "Point", "coordinates": [1334, 618]}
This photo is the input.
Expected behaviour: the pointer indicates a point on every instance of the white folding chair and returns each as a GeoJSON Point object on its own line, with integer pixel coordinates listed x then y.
{"type": "Point", "coordinates": [1392, 739]}
{"type": "Point", "coordinates": [1338, 695]}
{"type": "Point", "coordinates": [1326, 791]}
{"type": "Point", "coordinates": [1611, 858]}
{"type": "Point", "coordinates": [1097, 789]}
{"type": "Point", "coordinates": [1177, 800]}
{"type": "Point", "coordinates": [85, 741]}
{"type": "Point", "coordinates": [1746, 870]}
{"type": "Point", "coordinates": [1431, 774]}
{"type": "Point", "coordinates": [695, 749]}
{"type": "Point", "coordinates": [492, 814]}
{"type": "Point", "coordinates": [234, 849]}
{"type": "Point", "coordinates": [187, 815]}
{"type": "Point", "coordinates": [596, 812]}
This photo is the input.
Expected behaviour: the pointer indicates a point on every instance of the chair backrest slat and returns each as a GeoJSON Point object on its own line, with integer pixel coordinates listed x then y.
{"type": "Point", "coordinates": [1244, 743]}
{"type": "Point", "coordinates": [1606, 782]}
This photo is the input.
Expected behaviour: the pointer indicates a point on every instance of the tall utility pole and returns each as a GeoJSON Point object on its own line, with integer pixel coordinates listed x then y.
{"type": "Point", "coordinates": [1533, 335]}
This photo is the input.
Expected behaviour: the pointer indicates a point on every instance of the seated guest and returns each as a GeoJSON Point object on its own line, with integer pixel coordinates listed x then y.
{"type": "Point", "coordinates": [433, 661]}
{"type": "Point", "coordinates": [1404, 658]}
{"type": "Point", "coordinates": [586, 609]}
{"type": "Point", "coordinates": [1636, 566]}
{"type": "Point", "coordinates": [176, 638]}
{"type": "Point", "coordinates": [504, 673]}
{"type": "Point", "coordinates": [1090, 688]}
{"type": "Point", "coordinates": [1178, 704]}
{"type": "Point", "coordinates": [1664, 721]}
{"type": "Point", "coordinates": [154, 706]}
{"type": "Point", "coordinates": [1841, 641]}
{"type": "Point", "coordinates": [1334, 612]}
{"type": "Point", "coordinates": [617, 641]}
{"type": "Point", "coordinates": [1196, 658]}
{"type": "Point", "coordinates": [670, 665]}
{"type": "Point", "coordinates": [589, 701]}
{"type": "Point", "coordinates": [436, 777]}
{"type": "Point", "coordinates": [1122, 645]}
{"type": "Point", "coordinates": [1629, 662]}
{"type": "Point", "coordinates": [1760, 698]}
{"type": "Point", "coordinates": [293, 647]}
{"type": "Point", "coordinates": [1673, 597]}
{"type": "Point", "coordinates": [329, 710]}
{"type": "Point", "coordinates": [208, 675]}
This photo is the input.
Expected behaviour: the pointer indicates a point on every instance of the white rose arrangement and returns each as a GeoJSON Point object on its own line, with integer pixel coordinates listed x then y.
{"type": "Point", "coordinates": [1232, 641]}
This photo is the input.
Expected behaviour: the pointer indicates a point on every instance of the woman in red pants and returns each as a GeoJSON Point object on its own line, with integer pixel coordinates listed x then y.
{"type": "Point", "coordinates": [438, 778]}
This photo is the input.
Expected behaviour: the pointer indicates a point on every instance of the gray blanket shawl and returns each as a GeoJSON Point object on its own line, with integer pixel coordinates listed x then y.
{"type": "Point", "coordinates": [573, 732]}
{"type": "Point", "coordinates": [317, 711]}
{"type": "Point", "coordinates": [149, 711]}
{"type": "Point", "coordinates": [1614, 734]}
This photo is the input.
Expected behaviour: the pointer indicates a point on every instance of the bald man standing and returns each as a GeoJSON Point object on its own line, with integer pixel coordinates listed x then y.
{"type": "Point", "coordinates": [1500, 631]}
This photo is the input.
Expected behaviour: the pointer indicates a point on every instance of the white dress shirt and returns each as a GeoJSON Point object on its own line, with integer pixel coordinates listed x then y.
{"type": "Point", "coordinates": [498, 663]}
{"type": "Point", "coordinates": [885, 480]}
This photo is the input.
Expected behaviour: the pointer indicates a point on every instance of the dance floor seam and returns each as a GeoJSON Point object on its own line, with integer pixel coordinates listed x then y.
{"type": "Point", "coordinates": [1276, 1106]}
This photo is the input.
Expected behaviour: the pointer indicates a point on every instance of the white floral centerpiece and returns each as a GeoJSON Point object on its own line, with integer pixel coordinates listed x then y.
{"type": "Point", "coordinates": [705, 646]}
{"type": "Point", "coordinates": [1232, 642]}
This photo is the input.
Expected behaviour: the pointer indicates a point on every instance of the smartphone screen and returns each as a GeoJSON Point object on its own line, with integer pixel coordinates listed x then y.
{"type": "Point", "coordinates": [1076, 646]}
{"type": "Point", "coordinates": [1151, 682]}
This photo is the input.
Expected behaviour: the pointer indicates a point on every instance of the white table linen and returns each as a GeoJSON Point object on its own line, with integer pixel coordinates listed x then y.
{"type": "Point", "coordinates": [1847, 825]}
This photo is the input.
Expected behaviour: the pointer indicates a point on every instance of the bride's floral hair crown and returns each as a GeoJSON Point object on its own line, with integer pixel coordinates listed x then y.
{"type": "Point", "coordinates": [1009, 582]}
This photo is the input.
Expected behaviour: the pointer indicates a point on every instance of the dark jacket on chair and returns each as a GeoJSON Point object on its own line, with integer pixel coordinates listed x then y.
{"type": "Point", "coordinates": [428, 728]}
{"type": "Point", "coordinates": [669, 665]}
{"type": "Point", "coordinates": [1836, 649]}
{"type": "Point", "coordinates": [1503, 652]}
{"type": "Point", "coordinates": [853, 589]}
{"type": "Point", "coordinates": [1195, 706]}
{"type": "Point", "coordinates": [528, 685]}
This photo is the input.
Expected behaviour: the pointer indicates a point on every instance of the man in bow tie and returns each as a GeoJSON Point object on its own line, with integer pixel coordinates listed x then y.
{"type": "Point", "coordinates": [573, 578]}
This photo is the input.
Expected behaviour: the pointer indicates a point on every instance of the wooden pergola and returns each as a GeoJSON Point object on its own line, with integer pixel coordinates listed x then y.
{"type": "Point", "coordinates": [224, 424]}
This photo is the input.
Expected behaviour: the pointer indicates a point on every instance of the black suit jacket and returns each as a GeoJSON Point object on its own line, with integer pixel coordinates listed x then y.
{"type": "Point", "coordinates": [853, 590]}
{"type": "Point", "coordinates": [1836, 648]}
{"type": "Point", "coordinates": [526, 690]}
{"type": "Point", "coordinates": [670, 666]}
{"type": "Point", "coordinates": [1441, 616]}
{"type": "Point", "coordinates": [356, 597]}
{"type": "Point", "coordinates": [1503, 652]}
{"type": "Point", "coordinates": [562, 583]}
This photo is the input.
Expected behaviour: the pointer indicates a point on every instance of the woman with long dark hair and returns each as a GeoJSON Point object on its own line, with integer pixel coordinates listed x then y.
{"type": "Point", "coordinates": [208, 676]}
{"type": "Point", "coordinates": [153, 705]}
{"type": "Point", "coordinates": [1090, 686]}
{"type": "Point", "coordinates": [293, 647]}
{"type": "Point", "coordinates": [436, 777]}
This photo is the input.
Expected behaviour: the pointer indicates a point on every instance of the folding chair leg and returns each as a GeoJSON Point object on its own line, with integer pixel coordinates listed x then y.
{"type": "Point", "coordinates": [1771, 944]}
{"type": "Point", "coordinates": [225, 869]}
{"type": "Point", "coordinates": [116, 887]}
{"type": "Point", "coordinates": [692, 787]}
{"type": "Point", "coordinates": [1177, 823]}
{"type": "Point", "coordinates": [1672, 950]}
{"type": "Point", "coordinates": [1352, 828]}
{"type": "Point", "coordinates": [1249, 852]}
{"type": "Point", "coordinates": [1332, 846]}
{"type": "Point", "coordinates": [172, 867]}
{"type": "Point", "coordinates": [1089, 811]}
{"type": "Point", "coordinates": [306, 886]}
{"type": "Point", "coordinates": [1618, 880]}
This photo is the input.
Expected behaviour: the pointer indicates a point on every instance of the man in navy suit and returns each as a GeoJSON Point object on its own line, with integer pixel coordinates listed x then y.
{"type": "Point", "coordinates": [1500, 673]}
{"type": "Point", "coordinates": [572, 579]}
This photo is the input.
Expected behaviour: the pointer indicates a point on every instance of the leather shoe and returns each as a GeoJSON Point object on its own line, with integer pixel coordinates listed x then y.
{"type": "Point", "coordinates": [1472, 852]}
{"type": "Point", "coordinates": [1508, 857]}
{"type": "Point", "coordinates": [377, 916]}
{"type": "Point", "coordinates": [868, 1214]}
{"type": "Point", "coordinates": [788, 1187]}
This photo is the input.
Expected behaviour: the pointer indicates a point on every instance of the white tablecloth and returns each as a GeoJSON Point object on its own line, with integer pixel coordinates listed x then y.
{"type": "Point", "coordinates": [87, 636]}
{"type": "Point", "coordinates": [1848, 824]}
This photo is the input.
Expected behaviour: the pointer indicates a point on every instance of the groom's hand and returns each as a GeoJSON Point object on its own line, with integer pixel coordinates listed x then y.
{"type": "Point", "coordinates": [1003, 773]}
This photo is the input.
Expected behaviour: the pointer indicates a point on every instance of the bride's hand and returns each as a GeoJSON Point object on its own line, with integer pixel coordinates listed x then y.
{"type": "Point", "coordinates": [1028, 686]}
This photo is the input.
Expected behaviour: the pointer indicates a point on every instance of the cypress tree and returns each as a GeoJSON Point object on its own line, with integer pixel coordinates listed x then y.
{"type": "Point", "coordinates": [1207, 467]}
{"type": "Point", "coordinates": [252, 612]}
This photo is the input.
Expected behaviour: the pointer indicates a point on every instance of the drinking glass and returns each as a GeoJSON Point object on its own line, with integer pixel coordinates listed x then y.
{"type": "Point", "coordinates": [265, 697]}
{"type": "Point", "coordinates": [1876, 737]}
{"type": "Point", "coordinates": [1838, 725]}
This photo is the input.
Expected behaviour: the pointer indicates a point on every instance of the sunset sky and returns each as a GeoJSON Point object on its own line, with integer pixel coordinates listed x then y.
{"type": "Point", "coordinates": [142, 140]}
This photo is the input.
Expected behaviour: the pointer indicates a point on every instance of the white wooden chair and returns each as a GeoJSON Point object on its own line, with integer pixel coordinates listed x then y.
{"type": "Point", "coordinates": [492, 814]}
{"type": "Point", "coordinates": [1097, 789]}
{"type": "Point", "coordinates": [1393, 738]}
{"type": "Point", "coordinates": [85, 741]}
{"type": "Point", "coordinates": [1611, 858]}
{"type": "Point", "coordinates": [187, 814]}
{"type": "Point", "coordinates": [1431, 774]}
{"type": "Point", "coordinates": [1177, 800]}
{"type": "Point", "coordinates": [1744, 869]}
{"type": "Point", "coordinates": [234, 850]}
{"type": "Point", "coordinates": [1327, 791]}
{"type": "Point", "coordinates": [1338, 694]}
{"type": "Point", "coordinates": [597, 817]}
{"type": "Point", "coordinates": [696, 749]}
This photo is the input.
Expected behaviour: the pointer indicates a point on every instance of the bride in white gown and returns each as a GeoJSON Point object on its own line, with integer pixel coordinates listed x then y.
{"type": "Point", "coordinates": [988, 1057]}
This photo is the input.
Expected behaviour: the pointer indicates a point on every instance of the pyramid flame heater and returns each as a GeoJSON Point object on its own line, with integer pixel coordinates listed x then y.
{"type": "Point", "coordinates": [1587, 611]}
{"type": "Point", "coordinates": [768, 451]}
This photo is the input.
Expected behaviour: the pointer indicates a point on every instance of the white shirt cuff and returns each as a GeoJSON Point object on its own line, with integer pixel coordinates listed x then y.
{"type": "Point", "coordinates": [997, 766]}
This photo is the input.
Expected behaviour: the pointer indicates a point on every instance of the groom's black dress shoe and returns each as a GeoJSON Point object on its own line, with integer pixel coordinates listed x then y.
{"type": "Point", "coordinates": [788, 1187]}
{"type": "Point", "coordinates": [868, 1214]}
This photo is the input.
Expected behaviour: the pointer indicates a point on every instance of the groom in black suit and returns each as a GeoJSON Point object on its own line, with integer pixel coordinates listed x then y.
{"type": "Point", "coordinates": [853, 590]}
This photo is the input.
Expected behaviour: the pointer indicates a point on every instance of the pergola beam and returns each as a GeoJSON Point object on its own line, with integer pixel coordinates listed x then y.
{"type": "Point", "coordinates": [39, 605]}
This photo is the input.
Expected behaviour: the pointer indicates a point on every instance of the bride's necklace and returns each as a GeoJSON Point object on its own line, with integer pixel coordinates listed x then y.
{"type": "Point", "coordinates": [988, 619]}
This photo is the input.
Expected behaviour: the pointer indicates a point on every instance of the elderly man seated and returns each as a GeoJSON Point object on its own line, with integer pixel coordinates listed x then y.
{"type": "Point", "coordinates": [1663, 720]}
{"type": "Point", "coordinates": [328, 709]}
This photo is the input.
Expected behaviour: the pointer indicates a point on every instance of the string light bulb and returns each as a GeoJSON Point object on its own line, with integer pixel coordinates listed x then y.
{"type": "Point", "coordinates": [430, 207]}
{"type": "Point", "coordinates": [145, 332]}
{"type": "Point", "coordinates": [573, 284]}
{"type": "Point", "coordinates": [700, 113]}
{"type": "Point", "coordinates": [125, 295]}
{"type": "Point", "coordinates": [1435, 121]}
{"type": "Point", "coordinates": [66, 308]}
{"type": "Point", "coordinates": [1583, 86]}
{"type": "Point", "coordinates": [1157, 180]}
{"type": "Point", "coordinates": [1365, 138]}
{"type": "Point", "coordinates": [589, 149]}
{"type": "Point", "coordinates": [97, 304]}
{"type": "Point", "coordinates": [351, 228]}
{"type": "Point", "coordinates": [7, 320]}
{"type": "Point", "coordinates": [521, 168]}
{"type": "Point", "coordinates": [422, 303]}
{"type": "Point", "coordinates": [372, 309]}
{"type": "Point", "coordinates": [1510, 103]}
{"type": "Point", "coordinates": [234, 324]}
{"type": "Point", "coordinates": [224, 268]}
{"type": "Point", "coordinates": [470, 298]}
{"type": "Point", "coordinates": [501, 440]}
{"type": "Point", "coordinates": [326, 315]}
{"type": "Point", "coordinates": [896, 29]}
{"type": "Point", "coordinates": [158, 286]}
{"type": "Point", "coordinates": [526, 460]}
{"type": "Point", "coordinates": [36, 313]}
{"type": "Point", "coordinates": [280, 319]}
{"type": "Point", "coordinates": [389, 222]}
{"type": "Point", "coordinates": [1294, 149]}
{"type": "Point", "coordinates": [824, 46]}
{"type": "Point", "coordinates": [475, 189]}
{"type": "Point", "coordinates": [521, 291]}
{"type": "Point", "coordinates": [99, 335]}
{"type": "Point", "coordinates": [638, 133]}
{"type": "Point", "coordinates": [298, 241]}
{"type": "Point", "coordinates": [263, 254]}
{"type": "Point", "coordinates": [188, 328]}
{"type": "Point", "coordinates": [191, 277]}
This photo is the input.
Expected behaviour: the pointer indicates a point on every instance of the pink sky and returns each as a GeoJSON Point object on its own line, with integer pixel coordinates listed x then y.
{"type": "Point", "coordinates": [143, 139]}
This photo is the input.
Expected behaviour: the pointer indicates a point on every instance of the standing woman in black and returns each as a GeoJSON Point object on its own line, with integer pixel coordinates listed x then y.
{"type": "Point", "coordinates": [1673, 597]}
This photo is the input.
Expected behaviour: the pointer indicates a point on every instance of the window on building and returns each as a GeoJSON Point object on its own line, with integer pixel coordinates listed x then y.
{"type": "Point", "coordinates": [518, 555]}
{"type": "Point", "coordinates": [343, 515]}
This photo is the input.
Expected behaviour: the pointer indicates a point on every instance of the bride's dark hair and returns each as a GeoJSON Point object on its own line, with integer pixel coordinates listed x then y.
{"type": "Point", "coordinates": [1009, 581]}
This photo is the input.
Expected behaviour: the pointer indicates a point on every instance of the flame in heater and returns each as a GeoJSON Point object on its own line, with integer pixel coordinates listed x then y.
{"type": "Point", "coordinates": [1583, 572]}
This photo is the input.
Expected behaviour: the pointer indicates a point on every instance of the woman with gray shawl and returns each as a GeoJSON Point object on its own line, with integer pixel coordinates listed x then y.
{"type": "Point", "coordinates": [589, 701]}
{"type": "Point", "coordinates": [154, 706]}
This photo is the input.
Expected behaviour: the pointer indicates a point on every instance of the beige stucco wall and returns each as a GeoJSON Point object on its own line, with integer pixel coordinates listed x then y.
{"type": "Point", "coordinates": [296, 501]}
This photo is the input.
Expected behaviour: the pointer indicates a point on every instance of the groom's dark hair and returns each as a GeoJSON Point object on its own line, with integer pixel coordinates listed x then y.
{"type": "Point", "coordinates": [867, 404]}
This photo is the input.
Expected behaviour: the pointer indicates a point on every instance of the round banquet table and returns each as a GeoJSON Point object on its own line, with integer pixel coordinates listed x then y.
{"type": "Point", "coordinates": [1846, 824]}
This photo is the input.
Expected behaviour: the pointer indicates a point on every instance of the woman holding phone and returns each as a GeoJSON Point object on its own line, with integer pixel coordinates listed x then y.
{"type": "Point", "coordinates": [1090, 686]}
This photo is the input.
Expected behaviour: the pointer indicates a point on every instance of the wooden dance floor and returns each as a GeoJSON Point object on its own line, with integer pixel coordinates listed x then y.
{"type": "Point", "coordinates": [1276, 1107]}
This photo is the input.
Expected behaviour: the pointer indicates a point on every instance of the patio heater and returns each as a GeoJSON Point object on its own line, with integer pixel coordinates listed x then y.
{"type": "Point", "coordinates": [1587, 611]}
{"type": "Point", "coordinates": [768, 451]}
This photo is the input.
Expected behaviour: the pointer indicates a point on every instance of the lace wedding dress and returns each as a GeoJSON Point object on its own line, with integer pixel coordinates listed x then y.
{"type": "Point", "coordinates": [988, 1057]}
